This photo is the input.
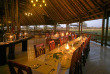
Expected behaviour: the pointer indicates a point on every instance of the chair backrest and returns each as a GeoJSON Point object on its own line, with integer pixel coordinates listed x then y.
{"type": "Point", "coordinates": [61, 41]}
{"type": "Point", "coordinates": [39, 49]}
{"type": "Point", "coordinates": [76, 36]}
{"type": "Point", "coordinates": [47, 34]}
{"type": "Point", "coordinates": [85, 43]}
{"type": "Point", "coordinates": [16, 68]}
{"type": "Point", "coordinates": [80, 51]}
{"type": "Point", "coordinates": [72, 37]}
{"type": "Point", "coordinates": [51, 45]}
{"type": "Point", "coordinates": [74, 61]}
{"type": "Point", "coordinates": [65, 39]}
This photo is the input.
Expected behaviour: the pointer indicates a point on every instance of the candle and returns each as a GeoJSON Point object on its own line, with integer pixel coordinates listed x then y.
{"type": "Point", "coordinates": [25, 33]}
{"type": "Point", "coordinates": [11, 37]}
{"type": "Point", "coordinates": [67, 46]}
{"type": "Point", "coordinates": [62, 34]}
{"type": "Point", "coordinates": [67, 33]}
{"type": "Point", "coordinates": [72, 45]}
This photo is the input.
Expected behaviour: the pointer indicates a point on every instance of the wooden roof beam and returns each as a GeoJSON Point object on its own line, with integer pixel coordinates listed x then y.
{"type": "Point", "coordinates": [85, 9]}
{"type": "Point", "coordinates": [56, 9]}
{"type": "Point", "coordinates": [93, 15]}
{"type": "Point", "coordinates": [68, 10]}
{"type": "Point", "coordinates": [70, 3]}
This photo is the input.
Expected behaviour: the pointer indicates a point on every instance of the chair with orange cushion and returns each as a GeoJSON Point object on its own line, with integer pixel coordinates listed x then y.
{"type": "Point", "coordinates": [39, 49]}
{"type": "Point", "coordinates": [51, 45]}
{"type": "Point", "coordinates": [16, 68]}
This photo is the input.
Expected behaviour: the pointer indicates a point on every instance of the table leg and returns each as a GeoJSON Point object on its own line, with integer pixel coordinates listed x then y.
{"type": "Point", "coordinates": [24, 45]}
{"type": "Point", "coordinates": [3, 58]}
{"type": "Point", "coordinates": [11, 54]}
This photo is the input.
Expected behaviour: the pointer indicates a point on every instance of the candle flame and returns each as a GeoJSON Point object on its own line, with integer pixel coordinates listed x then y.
{"type": "Point", "coordinates": [62, 34]}
{"type": "Point", "coordinates": [11, 36]}
{"type": "Point", "coordinates": [67, 46]}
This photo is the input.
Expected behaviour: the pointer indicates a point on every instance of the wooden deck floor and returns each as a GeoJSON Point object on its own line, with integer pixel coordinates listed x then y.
{"type": "Point", "coordinates": [98, 61]}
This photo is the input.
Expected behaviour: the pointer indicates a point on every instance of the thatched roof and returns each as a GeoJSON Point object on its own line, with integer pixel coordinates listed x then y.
{"type": "Point", "coordinates": [62, 11]}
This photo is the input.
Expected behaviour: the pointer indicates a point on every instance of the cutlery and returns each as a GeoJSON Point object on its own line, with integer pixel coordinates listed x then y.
{"type": "Point", "coordinates": [51, 71]}
{"type": "Point", "coordinates": [47, 64]}
{"type": "Point", "coordinates": [38, 65]}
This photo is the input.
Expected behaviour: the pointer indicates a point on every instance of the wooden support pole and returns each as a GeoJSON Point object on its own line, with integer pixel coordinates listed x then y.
{"type": "Point", "coordinates": [12, 15]}
{"type": "Point", "coordinates": [17, 20]}
{"type": "Point", "coordinates": [107, 23]}
{"type": "Point", "coordinates": [79, 25]}
{"type": "Point", "coordinates": [66, 27]}
{"type": "Point", "coordinates": [36, 27]}
{"type": "Point", "coordinates": [55, 25]}
{"type": "Point", "coordinates": [103, 23]}
{"type": "Point", "coordinates": [6, 14]}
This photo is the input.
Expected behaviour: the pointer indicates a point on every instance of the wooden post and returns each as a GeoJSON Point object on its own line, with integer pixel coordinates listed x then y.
{"type": "Point", "coordinates": [106, 35]}
{"type": "Point", "coordinates": [103, 22]}
{"type": "Point", "coordinates": [17, 20]}
{"type": "Point", "coordinates": [6, 14]}
{"type": "Point", "coordinates": [67, 27]}
{"type": "Point", "coordinates": [55, 27]}
{"type": "Point", "coordinates": [36, 27]}
{"type": "Point", "coordinates": [12, 14]}
{"type": "Point", "coordinates": [79, 25]}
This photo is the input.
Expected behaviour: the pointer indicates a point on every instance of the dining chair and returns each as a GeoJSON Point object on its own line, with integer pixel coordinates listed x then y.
{"type": "Point", "coordinates": [88, 46]}
{"type": "Point", "coordinates": [61, 41]}
{"type": "Point", "coordinates": [47, 34]}
{"type": "Point", "coordinates": [72, 37]}
{"type": "Point", "coordinates": [76, 36]}
{"type": "Point", "coordinates": [65, 39]}
{"type": "Point", "coordinates": [80, 59]}
{"type": "Point", "coordinates": [74, 62]}
{"type": "Point", "coordinates": [51, 45]}
{"type": "Point", "coordinates": [39, 49]}
{"type": "Point", "coordinates": [48, 38]}
{"type": "Point", "coordinates": [16, 68]}
{"type": "Point", "coordinates": [84, 53]}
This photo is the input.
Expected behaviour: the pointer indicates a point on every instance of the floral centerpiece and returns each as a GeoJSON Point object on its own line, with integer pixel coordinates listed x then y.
{"type": "Point", "coordinates": [56, 55]}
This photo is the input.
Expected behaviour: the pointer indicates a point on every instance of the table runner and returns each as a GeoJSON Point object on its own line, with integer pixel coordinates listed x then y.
{"type": "Point", "coordinates": [57, 64]}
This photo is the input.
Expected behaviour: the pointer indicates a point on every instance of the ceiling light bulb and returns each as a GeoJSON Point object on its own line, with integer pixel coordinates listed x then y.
{"type": "Point", "coordinates": [45, 4]}
{"type": "Point", "coordinates": [32, 1]}
{"type": "Point", "coordinates": [25, 13]}
{"type": "Point", "coordinates": [36, 0]}
{"type": "Point", "coordinates": [31, 13]}
{"type": "Point", "coordinates": [34, 4]}
{"type": "Point", "coordinates": [43, 1]}
{"type": "Point", "coordinates": [40, 5]}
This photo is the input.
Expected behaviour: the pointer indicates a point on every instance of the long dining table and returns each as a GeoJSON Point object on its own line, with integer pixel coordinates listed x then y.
{"type": "Point", "coordinates": [56, 61]}
{"type": "Point", "coordinates": [11, 45]}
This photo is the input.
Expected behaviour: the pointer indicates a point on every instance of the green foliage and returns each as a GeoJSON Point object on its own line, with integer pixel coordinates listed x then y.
{"type": "Point", "coordinates": [56, 55]}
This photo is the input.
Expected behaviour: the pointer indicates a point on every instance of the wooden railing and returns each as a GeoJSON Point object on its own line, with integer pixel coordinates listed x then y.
{"type": "Point", "coordinates": [97, 38]}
